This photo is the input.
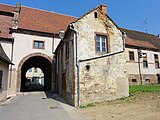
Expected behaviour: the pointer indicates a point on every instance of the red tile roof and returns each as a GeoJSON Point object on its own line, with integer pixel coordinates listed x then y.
{"type": "Point", "coordinates": [44, 21]}
{"type": "Point", "coordinates": [6, 8]}
{"type": "Point", "coordinates": [5, 24]}
{"type": "Point", "coordinates": [138, 43]}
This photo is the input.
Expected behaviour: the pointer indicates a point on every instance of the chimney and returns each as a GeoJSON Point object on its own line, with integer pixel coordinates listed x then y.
{"type": "Point", "coordinates": [18, 7]}
{"type": "Point", "coordinates": [16, 16]}
{"type": "Point", "coordinates": [103, 9]}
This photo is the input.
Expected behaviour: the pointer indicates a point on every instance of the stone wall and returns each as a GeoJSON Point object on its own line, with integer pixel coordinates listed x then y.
{"type": "Point", "coordinates": [146, 79]}
{"type": "Point", "coordinates": [106, 77]}
{"type": "Point", "coordinates": [65, 70]}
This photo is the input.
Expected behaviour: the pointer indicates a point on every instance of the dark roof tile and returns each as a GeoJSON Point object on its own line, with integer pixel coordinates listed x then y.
{"type": "Point", "coordinates": [143, 37]}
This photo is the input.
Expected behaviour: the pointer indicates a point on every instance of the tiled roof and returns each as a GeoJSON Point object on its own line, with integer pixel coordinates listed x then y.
{"type": "Point", "coordinates": [3, 56]}
{"type": "Point", "coordinates": [5, 24]}
{"type": "Point", "coordinates": [6, 8]}
{"type": "Point", "coordinates": [44, 21]}
{"type": "Point", "coordinates": [138, 43]}
{"type": "Point", "coordinates": [141, 39]}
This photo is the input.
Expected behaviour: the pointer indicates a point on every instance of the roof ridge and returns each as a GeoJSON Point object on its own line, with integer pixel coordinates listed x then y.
{"type": "Point", "coordinates": [7, 5]}
{"type": "Point", "coordinates": [50, 11]}
{"type": "Point", "coordinates": [138, 31]}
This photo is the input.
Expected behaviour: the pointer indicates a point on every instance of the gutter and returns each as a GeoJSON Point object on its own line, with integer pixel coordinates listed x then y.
{"type": "Point", "coordinates": [92, 58]}
{"type": "Point", "coordinates": [77, 64]}
{"type": "Point", "coordinates": [10, 79]}
{"type": "Point", "coordinates": [108, 54]}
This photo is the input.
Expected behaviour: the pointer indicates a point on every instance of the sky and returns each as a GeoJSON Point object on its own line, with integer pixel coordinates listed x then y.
{"type": "Point", "coordinates": [139, 15]}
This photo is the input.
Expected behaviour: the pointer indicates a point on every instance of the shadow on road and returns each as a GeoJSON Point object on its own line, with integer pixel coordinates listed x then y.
{"type": "Point", "coordinates": [55, 97]}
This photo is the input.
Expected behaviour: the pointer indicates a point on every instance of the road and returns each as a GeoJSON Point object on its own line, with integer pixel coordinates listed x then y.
{"type": "Point", "coordinates": [37, 106]}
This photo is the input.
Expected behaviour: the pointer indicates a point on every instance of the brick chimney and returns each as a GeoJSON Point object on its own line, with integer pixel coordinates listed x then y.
{"type": "Point", "coordinates": [103, 9]}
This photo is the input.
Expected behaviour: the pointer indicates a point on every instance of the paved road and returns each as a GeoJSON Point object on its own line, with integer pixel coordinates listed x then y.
{"type": "Point", "coordinates": [36, 106]}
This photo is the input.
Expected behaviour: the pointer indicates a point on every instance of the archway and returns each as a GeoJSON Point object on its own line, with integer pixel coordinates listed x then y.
{"type": "Point", "coordinates": [36, 60]}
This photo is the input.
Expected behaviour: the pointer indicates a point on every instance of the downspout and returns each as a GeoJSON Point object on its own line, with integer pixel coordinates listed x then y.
{"type": "Point", "coordinates": [10, 78]}
{"type": "Point", "coordinates": [77, 65]}
{"type": "Point", "coordinates": [55, 66]}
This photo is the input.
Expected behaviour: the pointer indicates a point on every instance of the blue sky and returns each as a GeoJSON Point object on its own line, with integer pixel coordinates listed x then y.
{"type": "Point", "coordinates": [129, 14]}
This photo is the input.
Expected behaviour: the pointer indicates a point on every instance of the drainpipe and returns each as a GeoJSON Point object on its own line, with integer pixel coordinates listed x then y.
{"type": "Point", "coordinates": [108, 54]}
{"type": "Point", "coordinates": [55, 66]}
{"type": "Point", "coordinates": [139, 64]}
{"type": "Point", "coordinates": [77, 64]}
{"type": "Point", "coordinates": [10, 78]}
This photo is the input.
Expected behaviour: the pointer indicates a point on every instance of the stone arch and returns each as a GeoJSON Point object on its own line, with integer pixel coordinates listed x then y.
{"type": "Point", "coordinates": [37, 54]}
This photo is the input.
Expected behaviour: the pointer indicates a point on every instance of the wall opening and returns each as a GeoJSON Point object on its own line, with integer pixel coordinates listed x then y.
{"type": "Point", "coordinates": [34, 79]}
{"type": "Point", "coordinates": [35, 74]}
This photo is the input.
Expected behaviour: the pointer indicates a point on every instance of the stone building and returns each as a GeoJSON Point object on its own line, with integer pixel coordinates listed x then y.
{"type": "Point", "coordinates": [83, 59]}
{"type": "Point", "coordinates": [4, 65]}
{"type": "Point", "coordinates": [142, 57]}
{"type": "Point", "coordinates": [31, 37]}
{"type": "Point", "coordinates": [91, 60]}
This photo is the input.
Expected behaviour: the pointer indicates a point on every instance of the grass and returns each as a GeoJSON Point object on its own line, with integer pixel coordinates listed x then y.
{"type": "Point", "coordinates": [87, 106]}
{"type": "Point", "coordinates": [144, 88]}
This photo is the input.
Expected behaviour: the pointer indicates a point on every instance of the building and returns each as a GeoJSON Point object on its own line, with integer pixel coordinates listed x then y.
{"type": "Point", "coordinates": [91, 60]}
{"type": "Point", "coordinates": [143, 57]}
{"type": "Point", "coordinates": [31, 37]}
{"type": "Point", "coordinates": [4, 68]}
{"type": "Point", "coordinates": [84, 59]}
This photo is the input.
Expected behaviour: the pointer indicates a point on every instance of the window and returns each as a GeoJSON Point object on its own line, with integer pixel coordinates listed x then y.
{"type": "Point", "coordinates": [145, 62]}
{"type": "Point", "coordinates": [134, 80]}
{"type": "Point", "coordinates": [38, 44]}
{"type": "Point", "coordinates": [156, 64]}
{"type": "Point", "coordinates": [147, 81]}
{"type": "Point", "coordinates": [35, 70]}
{"type": "Point", "coordinates": [1, 74]}
{"type": "Point", "coordinates": [95, 15]}
{"type": "Point", "coordinates": [155, 56]}
{"type": "Point", "coordinates": [67, 50]}
{"type": "Point", "coordinates": [64, 81]}
{"type": "Point", "coordinates": [30, 70]}
{"type": "Point", "coordinates": [101, 43]}
{"type": "Point", "coordinates": [156, 61]}
{"type": "Point", "coordinates": [131, 56]}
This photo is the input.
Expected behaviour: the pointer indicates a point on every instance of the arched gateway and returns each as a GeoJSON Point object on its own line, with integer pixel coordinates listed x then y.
{"type": "Point", "coordinates": [38, 60]}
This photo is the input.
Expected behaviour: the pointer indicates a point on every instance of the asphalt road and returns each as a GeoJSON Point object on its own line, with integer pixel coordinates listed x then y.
{"type": "Point", "coordinates": [36, 106]}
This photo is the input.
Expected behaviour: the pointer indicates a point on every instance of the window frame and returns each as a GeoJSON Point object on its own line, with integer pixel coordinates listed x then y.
{"type": "Point", "coordinates": [67, 50]}
{"type": "Point", "coordinates": [38, 41]}
{"type": "Point", "coordinates": [156, 59]}
{"type": "Point", "coordinates": [132, 56]}
{"type": "Point", "coordinates": [145, 60]}
{"type": "Point", "coordinates": [106, 43]}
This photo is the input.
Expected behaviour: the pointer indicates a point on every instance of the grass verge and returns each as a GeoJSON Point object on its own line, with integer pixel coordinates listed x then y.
{"type": "Point", "coordinates": [87, 106]}
{"type": "Point", "coordinates": [144, 88]}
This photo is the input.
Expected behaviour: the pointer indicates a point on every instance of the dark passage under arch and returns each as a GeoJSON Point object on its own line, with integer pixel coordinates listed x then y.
{"type": "Point", "coordinates": [36, 62]}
